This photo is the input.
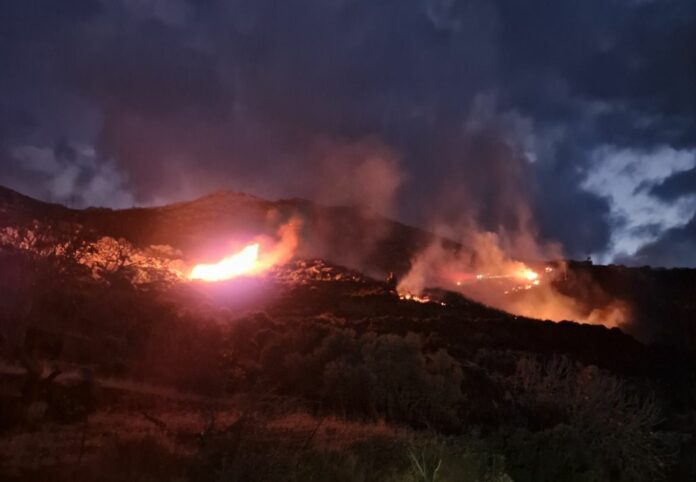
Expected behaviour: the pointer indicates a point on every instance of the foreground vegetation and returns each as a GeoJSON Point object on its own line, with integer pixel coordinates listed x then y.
{"type": "Point", "coordinates": [333, 378]}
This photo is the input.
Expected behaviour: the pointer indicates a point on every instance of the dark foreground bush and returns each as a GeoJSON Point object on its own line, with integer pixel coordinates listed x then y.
{"type": "Point", "coordinates": [253, 456]}
{"type": "Point", "coordinates": [368, 375]}
{"type": "Point", "coordinates": [589, 426]}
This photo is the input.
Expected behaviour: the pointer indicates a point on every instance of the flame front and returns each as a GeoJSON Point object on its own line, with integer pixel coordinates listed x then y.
{"type": "Point", "coordinates": [256, 258]}
{"type": "Point", "coordinates": [529, 275]}
{"type": "Point", "coordinates": [242, 263]}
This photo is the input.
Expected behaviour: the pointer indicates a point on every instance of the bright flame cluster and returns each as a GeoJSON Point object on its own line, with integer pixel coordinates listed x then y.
{"type": "Point", "coordinates": [261, 255]}
{"type": "Point", "coordinates": [528, 277]}
{"type": "Point", "coordinates": [419, 299]}
{"type": "Point", "coordinates": [411, 297]}
{"type": "Point", "coordinates": [242, 263]}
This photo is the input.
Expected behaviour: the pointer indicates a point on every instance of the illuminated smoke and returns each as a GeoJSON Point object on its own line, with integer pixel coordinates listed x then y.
{"type": "Point", "coordinates": [254, 259]}
{"type": "Point", "coordinates": [483, 272]}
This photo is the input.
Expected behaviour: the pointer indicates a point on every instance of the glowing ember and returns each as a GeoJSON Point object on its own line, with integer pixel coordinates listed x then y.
{"type": "Point", "coordinates": [419, 299]}
{"type": "Point", "coordinates": [242, 263]}
{"type": "Point", "coordinates": [524, 274]}
{"type": "Point", "coordinates": [412, 297]}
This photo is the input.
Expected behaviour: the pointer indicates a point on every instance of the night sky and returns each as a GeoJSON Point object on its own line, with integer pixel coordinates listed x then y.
{"type": "Point", "coordinates": [575, 120]}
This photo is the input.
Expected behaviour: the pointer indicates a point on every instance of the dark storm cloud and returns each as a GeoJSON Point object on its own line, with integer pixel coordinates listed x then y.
{"type": "Point", "coordinates": [489, 106]}
{"type": "Point", "coordinates": [567, 212]}
{"type": "Point", "coordinates": [674, 248]}
{"type": "Point", "coordinates": [679, 185]}
{"type": "Point", "coordinates": [634, 57]}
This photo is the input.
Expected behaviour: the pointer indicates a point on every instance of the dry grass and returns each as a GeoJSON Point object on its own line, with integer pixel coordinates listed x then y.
{"type": "Point", "coordinates": [56, 444]}
{"type": "Point", "coordinates": [330, 432]}
{"type": "Point", "coordinates": [175, 425]}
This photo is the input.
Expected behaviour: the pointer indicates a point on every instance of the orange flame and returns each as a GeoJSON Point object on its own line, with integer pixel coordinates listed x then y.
{"type": "Point", "coordinates": [242, 263]}
{"type": "Point", "coordinates": [496, 279]}
{"type": "Point", "coordinates": [529, 275]}
{"type": "Point", "coordinates": [254, 259]}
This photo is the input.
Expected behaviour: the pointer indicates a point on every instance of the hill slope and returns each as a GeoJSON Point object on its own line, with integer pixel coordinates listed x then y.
{"type": "Point", "coordinates": [348, 236]}
{"type": "Point", "coordinates": [96, 292]}
{"type": "Point", "coordinates": [660, 300]}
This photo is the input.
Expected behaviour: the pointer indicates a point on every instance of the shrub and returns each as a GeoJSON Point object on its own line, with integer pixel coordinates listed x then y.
{"type": "Point", "coordinates": [369, 375]}
{"type": "Point", "coordinates": [597, 416]}
{"type": "Point", "coordinates": [462, 459]}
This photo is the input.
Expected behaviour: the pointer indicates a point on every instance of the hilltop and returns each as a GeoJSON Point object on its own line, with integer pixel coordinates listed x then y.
{"type": "Point", "coordinates": [660, 299]}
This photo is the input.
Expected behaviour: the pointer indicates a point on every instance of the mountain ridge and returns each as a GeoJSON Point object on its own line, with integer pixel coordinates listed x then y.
{"type": "Point", "coordinates": [346, 236]}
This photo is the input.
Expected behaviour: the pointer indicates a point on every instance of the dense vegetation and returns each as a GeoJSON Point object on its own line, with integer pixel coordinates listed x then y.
{"type": "Point", "coordinates": [470, 393]}
{"type": "Point", "coordinates": [113, 369]}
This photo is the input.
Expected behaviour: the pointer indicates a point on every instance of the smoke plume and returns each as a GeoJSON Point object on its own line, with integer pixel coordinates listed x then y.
{"type": "Point", "coordinates": [501, 259]}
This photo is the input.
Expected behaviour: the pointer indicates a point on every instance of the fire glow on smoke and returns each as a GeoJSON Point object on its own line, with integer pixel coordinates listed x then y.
{"type": "Point", "coordinates": [493, 278]}
{"type": "Point", "coordinates": [521, 279]}
{"type": "Point", "coordinates": [254, 259]}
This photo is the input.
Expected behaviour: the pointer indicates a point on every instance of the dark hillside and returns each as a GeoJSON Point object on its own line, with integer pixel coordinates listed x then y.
{"type": "Point", "coordinates": [661, 300]}
{"type": "Point", "coordinates": [95, 321]}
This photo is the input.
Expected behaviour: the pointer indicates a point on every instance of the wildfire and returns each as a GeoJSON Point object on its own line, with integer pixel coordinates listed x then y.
{"type": "Point", "coordinates": [261, 255]}
{"type": "Point", "coordinates": [416, 298]}
{"type": "Point", "coordinates": [486, 273]}
{"type": "Point", "coordinates": [529, 275]}
{"type": "Point", "coordinates": [419, 299]}
{"type": "Point", "coordinates": [242, 263]}
{"type": "Point", "coordinates": [524, 274]}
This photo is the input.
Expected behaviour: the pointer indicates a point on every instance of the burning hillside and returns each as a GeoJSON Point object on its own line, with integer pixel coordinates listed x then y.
{"type": "Point", "coordinates": [483, 272]}
{"type": "Point", "coordinates": [225, 236]}
{"type": "Point", "coordinates": [255, 258]}
{"type": "Point", "coordinates": [97, 319]}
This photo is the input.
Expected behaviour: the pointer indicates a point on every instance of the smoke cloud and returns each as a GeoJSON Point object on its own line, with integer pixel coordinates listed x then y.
{"type": "Point", "coordinates": [502, 100]}
{"type": "Point", "coordinates": [365, 173]}
{"type": "Point", "coordinates": [501, 259]}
